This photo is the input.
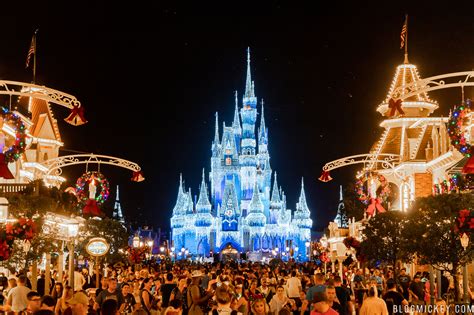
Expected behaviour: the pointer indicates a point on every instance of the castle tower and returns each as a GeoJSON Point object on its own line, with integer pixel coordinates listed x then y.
{"type": "Point", "coordinates": [341, 218]}
{"type": "Point", "coordinates": [117, 213]}
{"type": "Point", "coordinates": [248, 161]}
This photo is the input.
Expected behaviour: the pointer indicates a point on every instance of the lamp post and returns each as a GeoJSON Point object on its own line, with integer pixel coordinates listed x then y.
{"type": "Point", "coordinates": [173, 254]}
{"type": "Point", "coordinates": [182, 252]}
{"type": "Point", "coordinates": [136, 241]}
{"type": "Point", "coordinates": [296, 253]}
{"type": "Point", "coordinates": [465, 243]}
{"type": "Point", "coordinates": [150, 243]}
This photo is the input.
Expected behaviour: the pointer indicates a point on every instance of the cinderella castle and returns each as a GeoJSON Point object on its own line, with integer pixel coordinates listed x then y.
{"type": "Point", "coordinates": [245, 212]}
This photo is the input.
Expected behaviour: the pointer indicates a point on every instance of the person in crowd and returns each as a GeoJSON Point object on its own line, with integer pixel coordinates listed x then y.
{"type": "Point", "coordinates": [404, 281]}
{"type": "Point", "coordinates": [34, 302]}
{"type": "Point", "coordinates": [47, 303]}
{"type": "Point", "coordinates": [62, 304]}
{"type": "Point", "coordinates": [111, 293]}
{"type": "Point", "coordinates": [17, 300]}
{"type": "Point", "coordinates": [79, 303]}
{"type": "Point", "coordinates": [332, 299]}
{"type": "Point", "coordinates": [319, 286]}
{"type": "Point", "coordinates": [373, 305]}
{"type": "Point", "coordinates": [109, 307]}
{"type": "Point", "coordinates": [146, 297]}
{"type": "Point", "coordinates": [394, 299]}
{"type": "Point", "coordinates": [281, 300]}
{"type": "Point", "coordinates": [129, 303]}
{"type": "Point", "coordinates": [79, 280]}
{"type": "Point", "coordinates": [179, 293]}
{"type": "Point", "coordinates": [196, 297]}
{"type": "Point", "coordinates": [321, 305]}
{"type": "Point", "coordinates": [416, 290]}
{"type": "Point", "coordinates": [167, 288]}
{"type": "Point", "coordinates": [57, 291]}
{"type": "Point", "coordinates": [260, 307]}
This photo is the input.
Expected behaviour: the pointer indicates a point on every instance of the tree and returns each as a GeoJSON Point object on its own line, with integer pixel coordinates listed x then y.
{"type": "Point", "coordinates": [113, 231]}
{"type": "Point", "coordinates": [384, 238]}
{"type": "Point", "coordinates": [433, 233]}
{"type": "Point", "coordinates": [353, 206]}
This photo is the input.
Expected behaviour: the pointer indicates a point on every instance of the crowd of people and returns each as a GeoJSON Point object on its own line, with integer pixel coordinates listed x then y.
{"type": "Point", "coordinates": [220, 289]}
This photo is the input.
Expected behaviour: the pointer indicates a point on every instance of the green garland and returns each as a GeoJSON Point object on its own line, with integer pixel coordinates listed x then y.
{"type": "Point", "coordinates": [103, 184]}
{"type": "Point", "coordinates": [456, 134]}
{"type": "Point", "coordinates": [14, 152]}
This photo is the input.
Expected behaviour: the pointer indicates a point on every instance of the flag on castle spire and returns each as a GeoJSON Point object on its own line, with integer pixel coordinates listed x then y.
{"type": "Point", "coordinates": [403, 34]}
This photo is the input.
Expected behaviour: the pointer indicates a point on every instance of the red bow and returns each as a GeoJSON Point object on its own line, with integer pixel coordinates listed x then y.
{"type": "Point", "coordinates": [395, 106]}
{"type": "Point", "coordinates": [375, 205]}
{"type": "Point", "coordinates": [76, 117]}
{"type": "Point", "coordinates": [138, 177]}
{"type": "Point", "coordinates": [91, 208]}
{"type": "Point", "coordinates": [325, 177]}
{"type": "Point", "coordinates": [4, 171]}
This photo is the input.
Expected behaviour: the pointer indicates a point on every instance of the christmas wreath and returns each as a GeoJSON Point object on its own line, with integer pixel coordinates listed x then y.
{"type": "Point", "coordinates": [456, 134]}
{"type": "Point", "coordinates": [23, 229]}
{"type": "Point", "coordinates": [383, 191]}
{"type": "Point", "coordinates": [12, 153]}
{"type": "Point", "coordinates": [97, 178]}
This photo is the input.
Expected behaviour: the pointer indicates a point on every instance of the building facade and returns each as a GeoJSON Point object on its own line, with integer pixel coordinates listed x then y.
{"type": "Point", "coordinates": [244, 211]}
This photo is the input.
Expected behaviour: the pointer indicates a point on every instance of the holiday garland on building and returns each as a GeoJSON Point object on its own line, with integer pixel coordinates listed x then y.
{"type": "Point", "coordinates": [456, 134]}
{"type": "Point", "coordinates": [22, 229]}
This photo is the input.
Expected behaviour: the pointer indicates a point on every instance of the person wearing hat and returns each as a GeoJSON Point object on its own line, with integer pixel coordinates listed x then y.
{"type": "Point", "coordinates": [79, 303]}
{"type": "Point", "coordinates": [196, 296]}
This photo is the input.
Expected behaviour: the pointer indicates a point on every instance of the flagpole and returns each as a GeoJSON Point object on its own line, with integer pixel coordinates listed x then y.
{"type": "Point", "coordinates": [406, 40]}
{"type": "Point", "coordinates": [34, 59]}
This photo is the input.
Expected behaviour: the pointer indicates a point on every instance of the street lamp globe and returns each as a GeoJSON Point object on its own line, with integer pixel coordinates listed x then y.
{"type": "Point", "coordinates": [296, 248]}
{"type": "Point", "coordinates": [287, 248]}
{"type": "Point", "coordinates": [276, 249]}
{"type": "Point", "coordinates": [150, 243]}
{"type": "Point", "coordinates": [307, 244]}
{"type": "Point", "coordinates": [172, 249]}
{"type": "Point", "coordinates": [183, 249]}
{"type": "Point", "coordinates": [136, 241]}
{"type": "Point", "coordinates": [162, 249]}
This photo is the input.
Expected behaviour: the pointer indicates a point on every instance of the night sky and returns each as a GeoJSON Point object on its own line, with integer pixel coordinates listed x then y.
{"type": "Point", "coordinates": [151, 77]}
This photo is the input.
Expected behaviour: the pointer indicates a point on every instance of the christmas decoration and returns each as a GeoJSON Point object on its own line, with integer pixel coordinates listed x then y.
{"type": "Point", "coordinates": [351, 242]}
{"type": "Point", "coordinates": [325, 177]}
{"type": "Point", "coordinates": [464, 222]}
{"type": "Point", "coordinates": [76, 117]}
{"type": "Point", "coordinates": [12, 153]}
{"type": "Point", "coordinates": [456, 134]}
{"type": "Point", "coordinates": [137, 255]}
{"type": "Point", "coordinates": [92, 200]}
{"type": "Point", "coordinates": [382, 193]}
{"type": "Point", "coordinates": [22, 229]}
{"type": "Point", "coordinates": [395, 105]}
{"type": "Point", "coordinates": [137, 176]}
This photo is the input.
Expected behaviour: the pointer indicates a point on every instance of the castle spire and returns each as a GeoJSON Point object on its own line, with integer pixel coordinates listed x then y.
{"type": "Point", "coordinates": [203, 204]}
{"type": "Point", "coordinates": [236, 123]}
{"type": "Point", "coordinates": [302, 205]}
{"type": "Point", "coordinates": [248, 83]}
{"type": "Point", "coordinates": [340, 193]}
{"type": "Point", "coordinates": [276, 192]}
{"type": "Point", "coordinates": [256, 204]}
{"type": "Point", "coordinates": [216, 132]}
{"type": "Point", "coordinates": [117, 214]}
{"type": "Point", "coordinates": [262, 129]}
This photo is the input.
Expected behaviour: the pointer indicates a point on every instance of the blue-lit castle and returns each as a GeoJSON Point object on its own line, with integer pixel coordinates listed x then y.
{"type": "Point", "coordinates": [245, 213]}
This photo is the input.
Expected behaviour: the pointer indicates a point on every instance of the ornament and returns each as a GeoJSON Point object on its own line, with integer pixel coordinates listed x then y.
{"type": "Point", "coordinates": [375, 196]}
{"type": "Point", "coordinates": [137, 177]}
{"type": "Point", "coordinates": [91, 200]}
{"type": "Point", "coordinates": [395, 105]}
{"type": "Point", "coordinates": [325, 177]}
{"type": "Point", "coordinates": [76, 117]}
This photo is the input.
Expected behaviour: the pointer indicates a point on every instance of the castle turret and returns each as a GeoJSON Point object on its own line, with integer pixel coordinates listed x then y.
{"type": "Point", "coordinates": [256, 217]}
{"type": "Point", "coordinates": [203, 205]}
{"type": "Point", "coordinates": [236, 123]}
{"type": "Point", "coordinates": [341, 217]}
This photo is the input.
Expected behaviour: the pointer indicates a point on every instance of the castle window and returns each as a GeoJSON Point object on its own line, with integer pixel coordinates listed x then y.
{"type": "Point", "coordinates": [228, 152]}
{"type": "Point", "coordinates": [228, 161]}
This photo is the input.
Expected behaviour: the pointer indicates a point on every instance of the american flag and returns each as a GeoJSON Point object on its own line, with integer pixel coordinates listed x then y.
{"type": "Point", "coordinates": [32, 50]}
{"type": "Point", "coordinates": [403, 34]}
